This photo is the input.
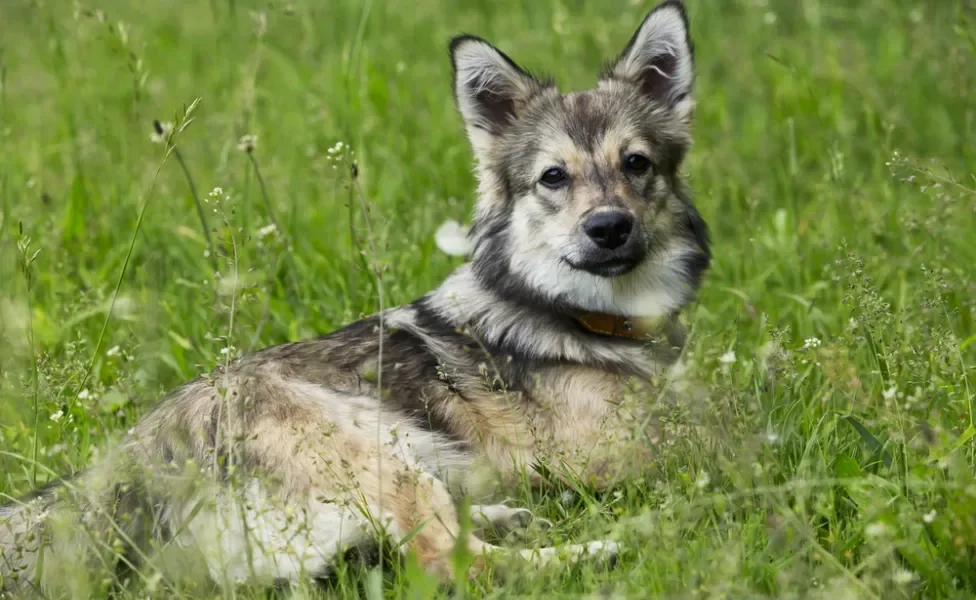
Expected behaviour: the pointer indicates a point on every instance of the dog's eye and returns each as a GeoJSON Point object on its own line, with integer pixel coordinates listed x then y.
{"type": "Point", "coordinates": [637, 164]}
{"type": "Point", "coordinates": [553, 178]}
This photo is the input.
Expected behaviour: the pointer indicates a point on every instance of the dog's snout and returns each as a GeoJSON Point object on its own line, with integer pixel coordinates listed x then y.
{"type": "Point", "coordinates": [609, 230]}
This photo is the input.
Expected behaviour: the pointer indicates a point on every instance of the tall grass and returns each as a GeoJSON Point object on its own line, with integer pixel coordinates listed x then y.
{"type": "Point", "coordinates": [835, 333]}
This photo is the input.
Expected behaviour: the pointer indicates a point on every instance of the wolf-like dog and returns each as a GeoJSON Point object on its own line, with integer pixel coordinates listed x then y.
{"type": "Point", "coordinates": [523, 365]}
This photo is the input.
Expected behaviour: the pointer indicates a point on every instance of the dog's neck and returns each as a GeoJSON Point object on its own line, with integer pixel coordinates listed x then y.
{"type": "Point", "coordinates": [527, 330]}
{"type": "Point", "coordinates": [631, 328]}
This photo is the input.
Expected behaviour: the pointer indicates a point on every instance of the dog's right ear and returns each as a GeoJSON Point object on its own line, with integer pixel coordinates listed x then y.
{"type": "Point", "coordinates": [489, 87]}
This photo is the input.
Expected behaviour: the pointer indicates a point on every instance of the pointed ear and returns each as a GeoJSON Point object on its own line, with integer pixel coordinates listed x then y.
{"type": "Point", "coordinates": [660, 59]}
{"type": "Point", "coordinates": [489, 87]}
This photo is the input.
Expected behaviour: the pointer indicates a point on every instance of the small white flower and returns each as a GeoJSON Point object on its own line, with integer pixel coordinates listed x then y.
{"type": "Point", "coordinates": [728, 358]}
{"type": "Point", "coordinates": [113, 351]}
{"type": "Point", "coordinates": [929, 516]}
{"type": "Point", "coordinates": [769, 18]}
{"type": "Point", "coordinates": [267, 230]}
{"type": "Point", "coordinates": [811, 343]}
{"type": "Point", "coordinates": [161, 133]}
{"type": "Point", "coordinates": [84, 394]}
{"type": "Point", "coordinates": [125, 307]}
{"type": "Point", "coordinates": [903, 577]}
{"type": "Point", "coordinates": [55, 450]}
{"type": "Point", "coordinates": [228, 285]}
{"type": "Point", "coordinates": [703, 480]}
{"type": "Point", "coordinates": [247, 143]}
{"type": "Point", "coordinates": [452, 239]}
{"type": "Point", "coordinates": [889, 394]}
{"type": "Point", "coordinates": [57, 416]}
{"type": "Point", "coordinates": [876, 530]}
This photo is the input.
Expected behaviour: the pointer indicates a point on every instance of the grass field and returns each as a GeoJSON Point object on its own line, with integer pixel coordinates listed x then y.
{"type": "Point", "coordinates": [834, 160]}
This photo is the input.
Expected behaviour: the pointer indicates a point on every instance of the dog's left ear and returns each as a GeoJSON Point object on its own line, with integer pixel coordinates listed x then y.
{"type": "Point", "coordinates": [660, 59]}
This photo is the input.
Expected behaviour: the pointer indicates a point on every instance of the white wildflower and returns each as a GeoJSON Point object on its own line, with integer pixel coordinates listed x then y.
{"type": "Point", "coordinates": [267, 230]}
{"type": "Point", "coordinates": [84, 394]}
{"type": "Point", "coordinates": [811, 343]}
{"type": "Point", "coordinates": [903, 577]}
{"type": "Point", "coordinates": [125, 307]}
{"type": "Point", "coordinates": [161, 132]}
{"type": "Point", "coordinates": [247, 143]}
{"type": "Point", "coordinates": [228, 285]}
{"type": "Point", "coordinates": [57, 416]}
{"type": "Point", "coordinates": [703, 479]}
{"type": "Point", "coordinates": [728, 358]}
{"type": "Point", "coordinates": [113, 351]}
{"type": "Point", "coordinates": [55, 450]}
{"type": "Point", "coordinates": [929, 516]}
{"type": "Point", "coordinates": [889, 394]}
{"type": "Point", "coordinates": [452, 239]}
{"type": "Point", "coordinates": [876, 530]}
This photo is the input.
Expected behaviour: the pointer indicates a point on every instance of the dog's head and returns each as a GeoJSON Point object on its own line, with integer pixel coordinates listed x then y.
{"type": "Point", "coordinates": [580, 203]}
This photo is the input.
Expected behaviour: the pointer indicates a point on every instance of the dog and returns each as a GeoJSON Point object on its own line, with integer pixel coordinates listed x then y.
{"type": "Point", "coordinates": [527, 364]}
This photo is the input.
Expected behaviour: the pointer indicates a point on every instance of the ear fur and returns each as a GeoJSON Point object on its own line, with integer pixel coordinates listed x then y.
{"type": "Point", "coordinates": [490, 89]}
{"type": "Point", "coordinates": [659, 59]}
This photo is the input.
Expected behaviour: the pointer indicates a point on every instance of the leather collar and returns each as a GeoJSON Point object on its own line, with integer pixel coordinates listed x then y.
{"type": "Point", "coordinates": [632, 328]}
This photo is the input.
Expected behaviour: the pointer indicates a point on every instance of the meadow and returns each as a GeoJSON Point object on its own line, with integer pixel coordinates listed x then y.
{"type": "Point", "coordinates": [833, 159]}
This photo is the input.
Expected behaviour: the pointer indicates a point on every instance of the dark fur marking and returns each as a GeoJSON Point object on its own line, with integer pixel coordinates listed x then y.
{"type": "Point", "coordinates": [696, 264]}
{"type": "Point", "coordinates": [585, 123]}
{"type": "Point", "coordinates": [49, 489]}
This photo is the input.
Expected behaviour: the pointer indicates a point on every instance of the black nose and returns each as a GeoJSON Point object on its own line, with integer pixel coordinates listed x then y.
{"type": "Point", "coordinates": [610, 229]}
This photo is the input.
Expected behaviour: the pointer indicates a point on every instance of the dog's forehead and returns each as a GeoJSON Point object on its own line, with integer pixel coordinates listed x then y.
{"type": "Point", "coordinates": [591, 123]}
{"type": "Point", "coordinates": [586, 117]}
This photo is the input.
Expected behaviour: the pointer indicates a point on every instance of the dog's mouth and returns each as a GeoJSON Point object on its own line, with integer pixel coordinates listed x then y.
{"type": "Point", "coordinates": [609, 267]}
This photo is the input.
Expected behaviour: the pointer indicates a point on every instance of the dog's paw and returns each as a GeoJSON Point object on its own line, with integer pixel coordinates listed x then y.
{"type": "Point", "coordinates": [605, 551]}
{"type": "Point", "coordinates": [504, 519]}
{"type": "Point", "coordinates": [601, 552]}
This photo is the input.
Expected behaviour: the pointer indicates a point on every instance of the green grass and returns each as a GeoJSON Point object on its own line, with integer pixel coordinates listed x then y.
{"type": "Point", "coordinates": [834, 161]}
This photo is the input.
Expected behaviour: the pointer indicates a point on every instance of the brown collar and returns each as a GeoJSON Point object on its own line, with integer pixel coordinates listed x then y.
{"type": "Point", "coordinates": [617, 326]}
